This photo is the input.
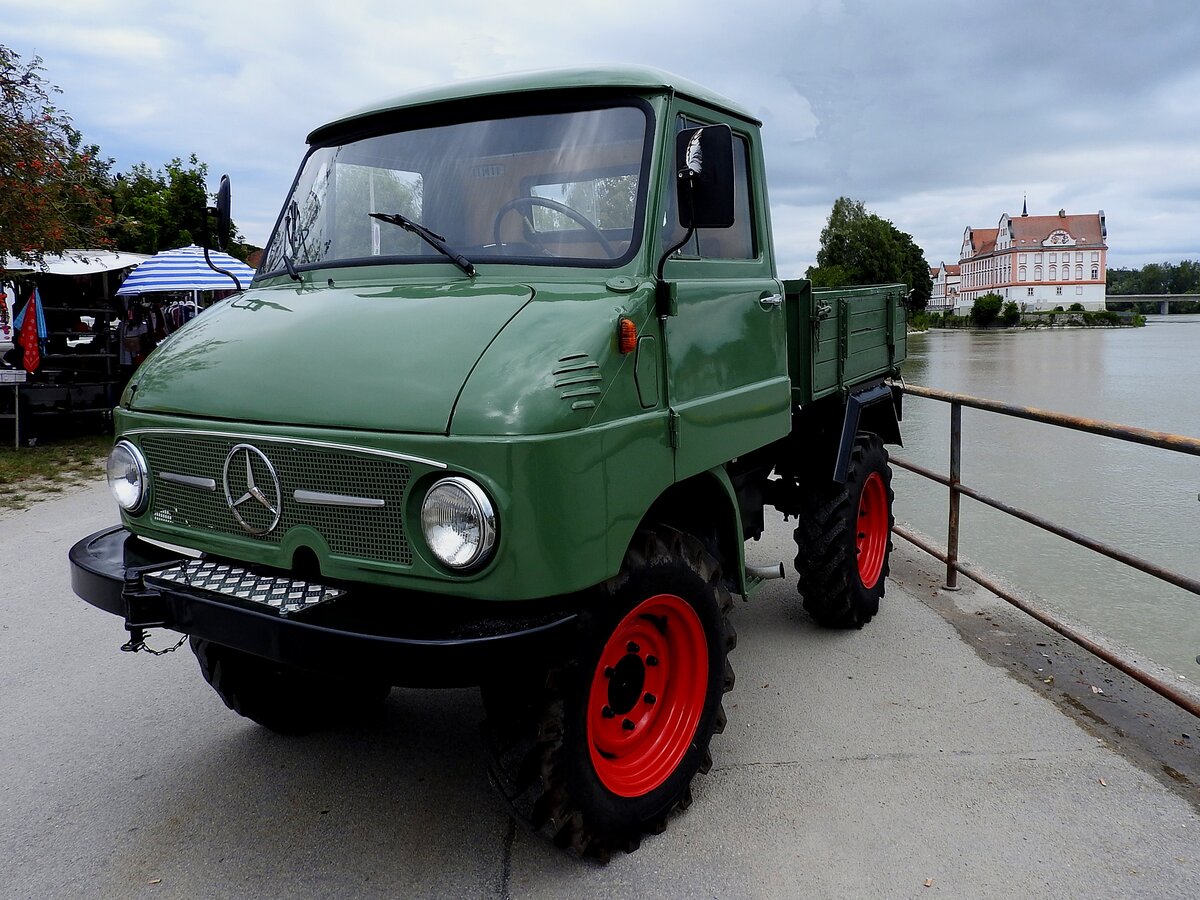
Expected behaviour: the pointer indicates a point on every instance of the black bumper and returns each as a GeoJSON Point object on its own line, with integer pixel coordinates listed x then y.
{"type": "Point", "coordinates": [409, 638]}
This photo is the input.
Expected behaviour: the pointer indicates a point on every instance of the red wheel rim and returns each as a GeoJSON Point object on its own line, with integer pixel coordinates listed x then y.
{"type": "Point", "coordinates": [647, 695]}
{"type": "Point", "coordinates": [872, 536]}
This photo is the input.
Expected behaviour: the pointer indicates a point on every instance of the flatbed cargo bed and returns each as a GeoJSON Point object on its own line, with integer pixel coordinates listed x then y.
{"type": "Point", "coordinates": [840, 337]}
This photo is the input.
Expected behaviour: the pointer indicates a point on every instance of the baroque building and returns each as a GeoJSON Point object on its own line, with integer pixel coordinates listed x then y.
{"type": "Point", "coordinates": [946, 282]}
{"type": "Point", "coordinates": [1038, 262]}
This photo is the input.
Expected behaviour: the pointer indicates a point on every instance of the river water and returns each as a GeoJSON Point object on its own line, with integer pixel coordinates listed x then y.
{"type": "Point", "coordinates": [1144, 500]}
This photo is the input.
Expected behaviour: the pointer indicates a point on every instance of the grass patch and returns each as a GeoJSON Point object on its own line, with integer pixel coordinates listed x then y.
{"type": "Point", "coordinates": [48, 468]}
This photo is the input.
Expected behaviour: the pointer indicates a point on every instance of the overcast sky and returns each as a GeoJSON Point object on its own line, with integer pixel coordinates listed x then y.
{"type": "Point", "coordinates": [937, 115]}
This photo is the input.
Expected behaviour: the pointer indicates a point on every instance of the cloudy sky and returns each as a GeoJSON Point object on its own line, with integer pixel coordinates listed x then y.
{"type": "Point", "coordinates": [937, 115]}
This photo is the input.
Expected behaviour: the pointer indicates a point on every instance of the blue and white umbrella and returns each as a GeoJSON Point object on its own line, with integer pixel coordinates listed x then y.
{"type": "Point", "coordinates": [184, 270]}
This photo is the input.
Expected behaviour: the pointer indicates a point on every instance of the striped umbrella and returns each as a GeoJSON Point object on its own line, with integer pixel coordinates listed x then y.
{"type": "Point", "coordinates": [184, 270]}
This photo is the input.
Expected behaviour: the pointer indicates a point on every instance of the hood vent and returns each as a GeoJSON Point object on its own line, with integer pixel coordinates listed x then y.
{"type": "Point", "coordinates": [578, 378]}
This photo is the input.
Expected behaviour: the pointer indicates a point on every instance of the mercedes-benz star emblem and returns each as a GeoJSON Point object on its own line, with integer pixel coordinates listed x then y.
{"type": "Point", "coordinates": [257, 506]}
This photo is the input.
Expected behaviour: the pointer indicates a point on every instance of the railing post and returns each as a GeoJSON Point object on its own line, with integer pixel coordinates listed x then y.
{"type": "Point", "coordinates": [955, 480]}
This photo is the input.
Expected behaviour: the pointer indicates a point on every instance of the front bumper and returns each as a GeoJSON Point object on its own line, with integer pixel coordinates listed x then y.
{"type": "Point", "coordinates": [408, 638]}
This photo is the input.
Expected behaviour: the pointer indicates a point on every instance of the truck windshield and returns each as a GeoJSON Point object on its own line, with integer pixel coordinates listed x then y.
{"type": "Point", "coordinates": [567, 188]}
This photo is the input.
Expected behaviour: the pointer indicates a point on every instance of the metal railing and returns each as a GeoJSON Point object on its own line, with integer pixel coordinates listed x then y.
{"type": "Point", "coordinates": [954, 567]}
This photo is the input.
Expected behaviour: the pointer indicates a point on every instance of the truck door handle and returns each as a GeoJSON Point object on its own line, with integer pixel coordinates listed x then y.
{"type": "Point", "coordinates": [773, 301]}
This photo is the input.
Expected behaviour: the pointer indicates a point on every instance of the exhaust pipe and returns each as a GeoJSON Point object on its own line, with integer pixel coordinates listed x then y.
{"type": "Point", "coordinates": [766, 573]}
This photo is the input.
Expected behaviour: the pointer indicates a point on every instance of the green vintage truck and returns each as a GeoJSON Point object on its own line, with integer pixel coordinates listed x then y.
{"type": "Point", "coordinates": [504, 403]}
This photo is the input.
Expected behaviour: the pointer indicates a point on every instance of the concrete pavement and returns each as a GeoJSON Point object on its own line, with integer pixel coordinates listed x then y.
{"type": "Point", "coordinates": [855, 764]}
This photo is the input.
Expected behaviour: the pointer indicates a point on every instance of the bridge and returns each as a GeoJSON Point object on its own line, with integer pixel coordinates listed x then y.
{"type": "Point", "coordinates": [1163, 300]}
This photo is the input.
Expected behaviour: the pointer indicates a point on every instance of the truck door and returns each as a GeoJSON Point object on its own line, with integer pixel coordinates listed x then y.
{"type": "Point", "coordinates": [726, 342]}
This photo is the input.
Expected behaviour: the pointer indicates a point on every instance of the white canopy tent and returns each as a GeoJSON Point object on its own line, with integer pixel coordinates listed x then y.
{"type": "Point", "coordinates": [69, 262]}
{"type": "Point", "coordinates": [76, 262]}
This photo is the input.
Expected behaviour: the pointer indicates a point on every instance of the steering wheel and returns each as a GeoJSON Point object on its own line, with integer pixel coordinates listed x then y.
{"type": "Point", "coordinates": [573, 214]}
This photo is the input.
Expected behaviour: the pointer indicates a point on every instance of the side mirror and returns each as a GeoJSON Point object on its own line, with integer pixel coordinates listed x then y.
{"type": "Point", "coordinates": [223, 218]}
{"type": "Point", "coordinates": [704, 166]}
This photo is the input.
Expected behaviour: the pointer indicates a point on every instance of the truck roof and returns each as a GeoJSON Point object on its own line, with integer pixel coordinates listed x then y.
{"type": "Point", "coordinates": [631, 77]}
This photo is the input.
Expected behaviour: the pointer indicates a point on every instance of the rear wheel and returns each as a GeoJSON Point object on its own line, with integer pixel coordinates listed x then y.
{"type": "Point", "coordinates": [280, 697]}
{"type": "Point", "coordinates": [599, 751]}
{"type": "Point", "coordinates": [844, 540]}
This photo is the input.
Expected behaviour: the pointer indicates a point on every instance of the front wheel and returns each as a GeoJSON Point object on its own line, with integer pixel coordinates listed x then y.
{"type": "Point", "coordinates": [844, 540]}
{"type": "Point", "coordinates": [280, 697]}
{"type": "Point", "coordinates": [599, 751]}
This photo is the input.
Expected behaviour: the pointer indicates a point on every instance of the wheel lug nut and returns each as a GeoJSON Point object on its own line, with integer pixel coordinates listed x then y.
{"type": "Point", "coordinates": [607, 712]}
{"type": "Point", "coordinates": [609, 671]}
{"type": "Point", "coordinates": [652, 660]}
{"type": "Point", "coordinates": [632, 647]}
{"type": "Point", "coordinates": [627, 724]}
{"type": "Point", "coordinates": [650, 699]}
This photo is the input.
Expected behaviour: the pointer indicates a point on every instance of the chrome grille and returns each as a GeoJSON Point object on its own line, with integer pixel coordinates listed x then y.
{"type": "Point", "coordinates": [373, 532]}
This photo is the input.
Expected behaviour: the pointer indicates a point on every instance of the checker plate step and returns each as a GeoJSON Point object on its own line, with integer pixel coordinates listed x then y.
{"type": "Point", "coordinates": [284, 595]}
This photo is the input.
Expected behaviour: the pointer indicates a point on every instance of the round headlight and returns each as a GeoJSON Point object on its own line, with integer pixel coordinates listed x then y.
{"type": "Point", "coordinates": [458, 522]}
{"type": "Point", "coordinates": [127, 476]}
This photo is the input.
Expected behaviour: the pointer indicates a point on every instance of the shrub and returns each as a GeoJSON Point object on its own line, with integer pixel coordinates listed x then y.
{"type": "Point", "coordinates": [986, 310]}
{"type": "Point", "coordinates": [1011, 314]}
{"type": "Point", "coordinates": [1076, 307]}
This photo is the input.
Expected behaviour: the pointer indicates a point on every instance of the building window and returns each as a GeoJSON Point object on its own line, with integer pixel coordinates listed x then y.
{"type": "Point", "coordinates": [1037, 257]}
{"type": "Point", "coordinates": [1066, 273]}
{"type": "Point", "coordinates": [1079, 290]}
{"type": "Point", "coordinates": [1079, 273]}
{"type": "Point", "coordinates": [1095, 273]}
{"type": "Point", "coordinates": [1023, 274]}
{"type": "Point", "coordinates": [1053, 270]}
{"type": "Point", "coordinates": [1023, 259]}
{"type": "Point", "coordinates": [1029, 291]}
{"type": "Point", "coordinates": [1078, 257]}
{"type": "Point", "coordinates": [1053, 258]}
{"type": "Point", "coordinates": [1095, 256]}
{"type": "Point", "coordinates": [1058, 291]}
{"type": "Point", "coordinates": [1037, 272]}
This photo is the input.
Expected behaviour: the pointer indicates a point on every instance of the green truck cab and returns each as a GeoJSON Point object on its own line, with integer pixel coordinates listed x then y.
{"type": "Point", "coordinates": [510, 391]}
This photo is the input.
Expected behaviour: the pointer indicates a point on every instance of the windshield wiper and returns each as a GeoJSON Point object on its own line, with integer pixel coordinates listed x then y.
{"type": "Point", "coordinates": [434, 240]}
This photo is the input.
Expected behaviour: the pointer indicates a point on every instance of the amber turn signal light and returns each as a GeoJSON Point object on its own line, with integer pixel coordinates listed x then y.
{"type": "Point", "coordinates": [626, 335]}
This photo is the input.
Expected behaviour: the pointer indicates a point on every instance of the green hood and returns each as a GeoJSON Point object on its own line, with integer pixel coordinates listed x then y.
{"type": "Point", "coordinates": [389, 359]}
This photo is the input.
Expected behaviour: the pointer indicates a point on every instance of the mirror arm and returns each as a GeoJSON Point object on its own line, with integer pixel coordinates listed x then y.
{"type": "Point", "coordinates": [212, 265]}
{"type": "Point", "coordinates": [662, 290]}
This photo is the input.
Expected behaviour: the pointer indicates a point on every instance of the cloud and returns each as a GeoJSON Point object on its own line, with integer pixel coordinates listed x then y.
{"type": "Point", "coordinates": [936, 120]}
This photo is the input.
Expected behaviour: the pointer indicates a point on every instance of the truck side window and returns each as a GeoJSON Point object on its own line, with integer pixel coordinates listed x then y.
{"type": "Point", "coordinates": [719, 243]}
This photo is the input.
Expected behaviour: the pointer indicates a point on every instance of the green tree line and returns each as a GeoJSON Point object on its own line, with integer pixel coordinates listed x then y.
{"type": "Point", "coordinates": [59, 192]}
{"type": "Point", "coordinates": [1157, 278]}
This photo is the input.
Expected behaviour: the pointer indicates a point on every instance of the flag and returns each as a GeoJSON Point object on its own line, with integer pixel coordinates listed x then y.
{"type": "Point", "coordinates": [32, 330]}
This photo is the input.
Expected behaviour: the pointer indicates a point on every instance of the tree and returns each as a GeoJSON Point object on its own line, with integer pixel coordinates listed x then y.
{"type": "Point", "coordinates": [858, 247]}
{"type": "Point", "coordinates": [1156, 278]}
{"type": "Point", "coordinates": [163, 209]}
{"type": "Point", "coordinates": [1011, 314]}
{"type": "Point", "coordinates": [53, 187]}
{"type": "Point", "coordinates": [986, 309]}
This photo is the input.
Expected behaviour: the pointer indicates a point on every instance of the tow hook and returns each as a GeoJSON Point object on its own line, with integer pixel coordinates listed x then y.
{"type": "Point", "coordinates": [144, 609]}
{"type": "Point", "coordinates": [137, 642]}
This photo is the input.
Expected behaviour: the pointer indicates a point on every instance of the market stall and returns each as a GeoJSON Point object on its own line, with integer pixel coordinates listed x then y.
{"type": "Point", "coordinates": [72, 368]}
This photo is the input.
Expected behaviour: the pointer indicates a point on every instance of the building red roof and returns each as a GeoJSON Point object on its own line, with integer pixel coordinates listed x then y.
{"type": "Point", "coordinates": [983, 240]}
{"type": "Point", "coordinates": [1032, 231]}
